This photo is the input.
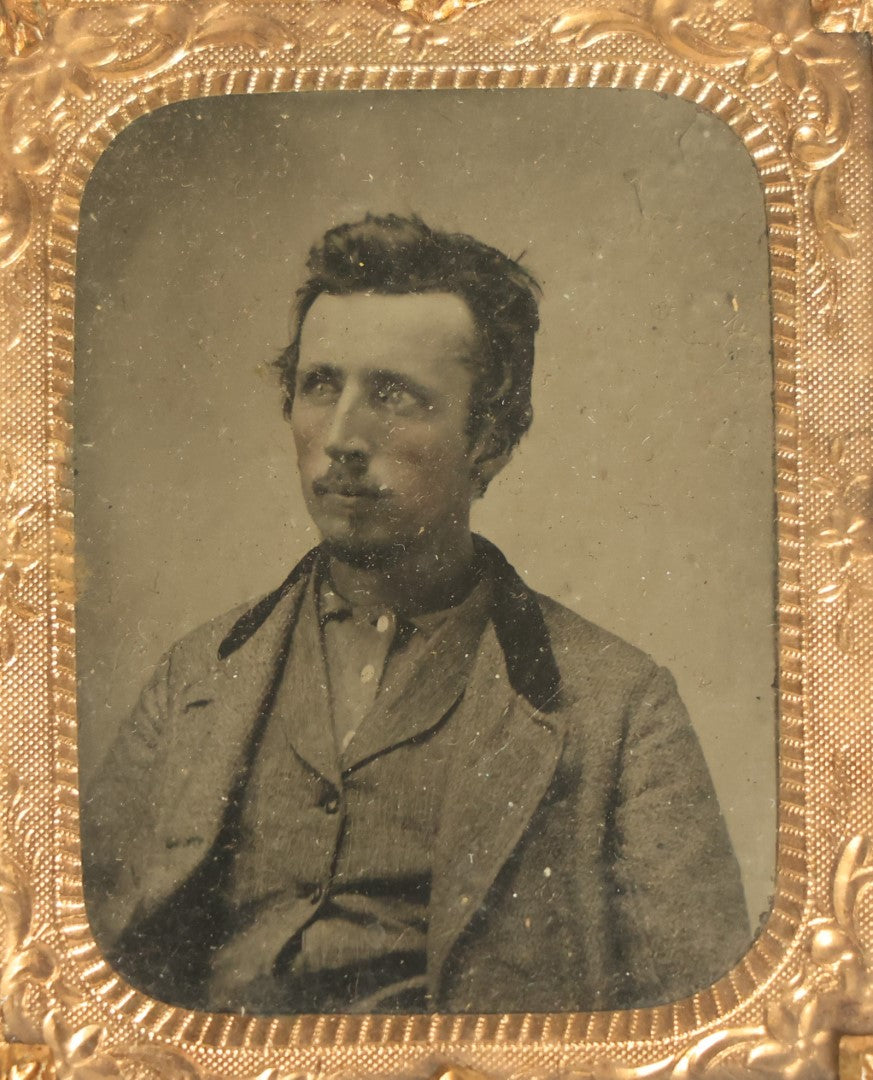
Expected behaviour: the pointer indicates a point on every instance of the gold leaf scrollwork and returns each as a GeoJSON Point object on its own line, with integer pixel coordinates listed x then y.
{"type": "Point", "coordinates": [16, 560]}
{"type": "Point", "coordinates": [22, 1062]}
{"type": "Point", "coordinates": [783, 46]}
{"type": "Point", "coordinates": [21, 25]}
{"type": "Point", "coordinates": [856, 1057]}
{"type": "Point", "coordinates": [831, 994]}
{"type": "Point", "coordinates": [416, 25]}
{"type": "Point", "coordinates": [74, 50]}
{"type": "Point", "coordinates": [30, 982]}
{"type": "Point", "coordinates": [458, 1072]}
{"type": "Point", "coordinates": [437, 10]}
{"type": "Point", "coordinates": [37, 1004]}
{"type": "Point", "coordinates": [52, 60]}
{"type": "Point", "coordinates": [415, 30]}
{"type": "Point", "coordinates": [846, 536]}
{"type": "Point", "coordinates": [844, 16]}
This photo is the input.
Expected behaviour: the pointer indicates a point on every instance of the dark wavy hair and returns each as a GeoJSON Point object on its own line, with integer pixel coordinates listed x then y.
{"type": "Point", "coordinates": [397, 255]}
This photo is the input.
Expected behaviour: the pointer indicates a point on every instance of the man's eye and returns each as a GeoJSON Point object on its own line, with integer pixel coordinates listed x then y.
{"type": "Point", "coordinates": [397, 396]}
{"type": "Point", "coordinates": [318, 384]}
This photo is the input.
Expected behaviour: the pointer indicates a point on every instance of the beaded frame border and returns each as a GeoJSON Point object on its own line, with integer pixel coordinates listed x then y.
{"type": "Point", "coordinates": [793, 80]}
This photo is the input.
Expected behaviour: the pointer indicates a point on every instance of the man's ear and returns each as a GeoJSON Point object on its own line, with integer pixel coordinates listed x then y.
{"type": "Point", "coordinates": [488, 455]}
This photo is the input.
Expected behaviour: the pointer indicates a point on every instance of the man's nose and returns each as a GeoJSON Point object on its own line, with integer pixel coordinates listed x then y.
{"type": "Point", "coordinates": [347, 434]}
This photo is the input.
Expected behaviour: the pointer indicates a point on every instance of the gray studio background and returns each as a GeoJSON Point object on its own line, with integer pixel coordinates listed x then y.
{"type": "Point", "coordinates": [643, 496]}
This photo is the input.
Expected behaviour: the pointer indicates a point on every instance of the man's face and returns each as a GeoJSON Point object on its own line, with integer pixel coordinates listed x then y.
{"type": "Point", "coordinates": [381, 421]}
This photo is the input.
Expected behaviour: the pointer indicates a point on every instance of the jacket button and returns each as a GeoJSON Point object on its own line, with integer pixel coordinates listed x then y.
{"type": "Point", "coordinates": [316, 894]}
{"type": "Point", "coordinates": [332, 805]}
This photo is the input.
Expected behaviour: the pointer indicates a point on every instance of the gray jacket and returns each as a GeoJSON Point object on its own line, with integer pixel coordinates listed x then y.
{"type": "Point", "coordinates": [581, 860]}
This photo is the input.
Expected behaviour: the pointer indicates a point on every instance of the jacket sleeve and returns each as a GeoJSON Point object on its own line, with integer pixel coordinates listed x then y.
{"type": "Point", "coordinates": [681, 905]}
{"type": "Point", "coordinates": [120, 807]}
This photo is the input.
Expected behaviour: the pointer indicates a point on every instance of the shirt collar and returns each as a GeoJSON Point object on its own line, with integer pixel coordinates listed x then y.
{"type": "Point", "coordinates": [332, 605]}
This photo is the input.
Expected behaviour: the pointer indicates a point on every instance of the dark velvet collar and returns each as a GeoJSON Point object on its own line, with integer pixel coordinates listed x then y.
{"type": "Point", "coordinates": [517, 617]}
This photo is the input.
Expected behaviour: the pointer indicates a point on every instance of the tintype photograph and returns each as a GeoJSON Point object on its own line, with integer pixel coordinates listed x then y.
{"type": "Point", "coordinates": [425, 552]}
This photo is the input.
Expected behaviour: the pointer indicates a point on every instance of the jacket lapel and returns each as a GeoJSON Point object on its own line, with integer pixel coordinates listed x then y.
{"type": "Point", "coordinates": [302, 702]}
{"type": "Point", "coordinates": [502, 769]}
{"type": "Point", "coordinates": [426, 690]}
{"type": "Point", "coordinates": [219, 715]}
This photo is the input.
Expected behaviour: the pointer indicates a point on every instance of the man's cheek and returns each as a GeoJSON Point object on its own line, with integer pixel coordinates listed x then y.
{"type": "Point", "coordinates": [434, 456]}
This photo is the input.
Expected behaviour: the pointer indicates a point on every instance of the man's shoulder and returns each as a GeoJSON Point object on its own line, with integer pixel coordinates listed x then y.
{"type": "Point", "coordinates": [611, 690]}
{"type": "Point", "coordinates": [202, 650]}
{"type": "Point", "coordinates": [557, 647]}
{"type": "Point", "coordinates": [204, 647]}
{"type": "Point", "coordinates": [586, 652]}
{"type": "Point", "coordinates": [198, 650]}
{"type": "Point", "coordinates": [208, 636]}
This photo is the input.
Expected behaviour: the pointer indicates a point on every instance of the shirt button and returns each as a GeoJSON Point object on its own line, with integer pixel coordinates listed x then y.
{"type": "Point", "coordinates": [382, 623]}
{"type": "Point", "coordinates": [368, 673]}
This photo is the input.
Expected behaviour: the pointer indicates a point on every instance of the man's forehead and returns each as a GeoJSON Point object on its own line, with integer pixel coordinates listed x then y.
{"type": "Point", "coordinates": [373, 321]}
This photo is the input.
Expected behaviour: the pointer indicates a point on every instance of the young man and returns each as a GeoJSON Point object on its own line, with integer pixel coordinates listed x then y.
{"type": "Point", "coordinates": [403, 781]}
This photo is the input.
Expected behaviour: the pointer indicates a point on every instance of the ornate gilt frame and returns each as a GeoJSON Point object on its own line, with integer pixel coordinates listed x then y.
{"type": "Point", "coordinates": [793, 79]}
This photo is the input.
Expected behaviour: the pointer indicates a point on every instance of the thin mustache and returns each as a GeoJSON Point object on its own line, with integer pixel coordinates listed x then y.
{"type": "Point", "coordinates": [337, 485]}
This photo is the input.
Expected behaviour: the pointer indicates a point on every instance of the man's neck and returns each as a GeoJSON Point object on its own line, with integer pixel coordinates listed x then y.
{"type": "Point", "coordinates": [417, 582]}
